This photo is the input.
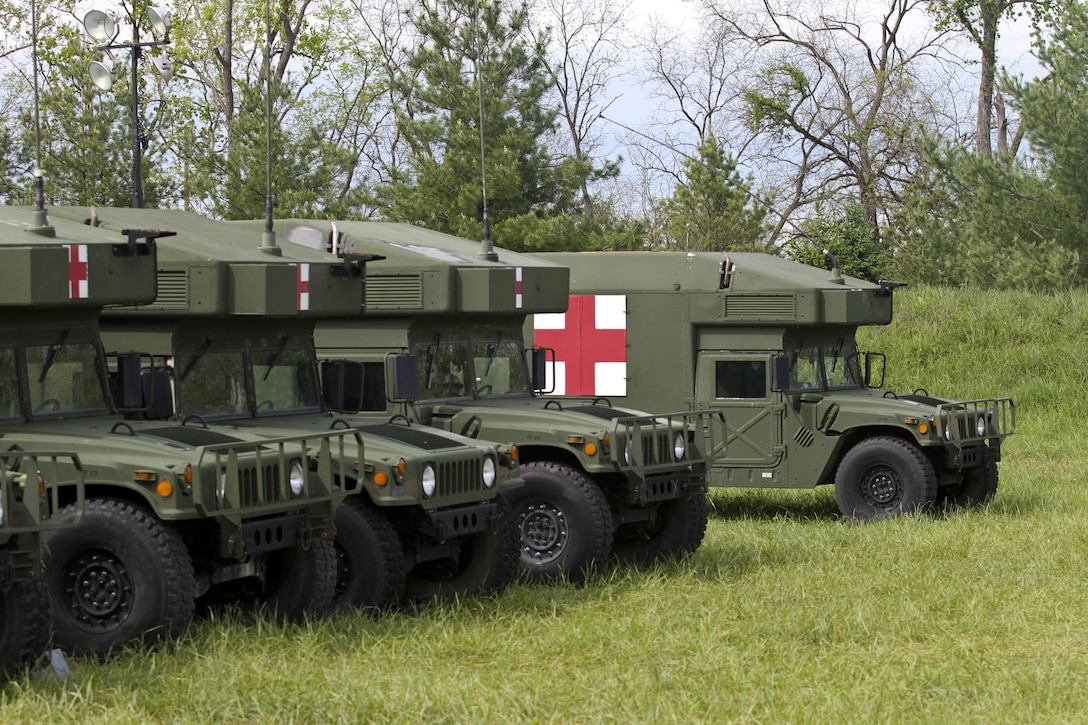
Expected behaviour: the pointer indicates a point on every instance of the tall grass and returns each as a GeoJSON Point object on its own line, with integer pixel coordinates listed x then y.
{"type": "Point", "coordinates": [785, 614]}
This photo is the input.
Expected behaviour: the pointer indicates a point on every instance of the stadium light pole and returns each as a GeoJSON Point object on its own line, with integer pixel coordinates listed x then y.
{"type": "Point", "coordinates": [103, 28]}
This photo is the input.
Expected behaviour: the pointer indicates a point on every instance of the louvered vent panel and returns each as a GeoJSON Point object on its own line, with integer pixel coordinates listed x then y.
{"type": "Point", "coordinates": [173, 290]}
{"type": "Point", "coordinates": [760, 308]}
{"type": "Point", "coordinates": [394, 293]}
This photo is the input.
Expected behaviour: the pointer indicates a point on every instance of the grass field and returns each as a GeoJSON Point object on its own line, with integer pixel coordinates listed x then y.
{"type": "Point", "coordinates": [785, 614]}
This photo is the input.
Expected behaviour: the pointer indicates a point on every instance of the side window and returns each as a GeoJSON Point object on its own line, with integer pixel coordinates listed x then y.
{"type": "Point", "coordinates": [740, 378]}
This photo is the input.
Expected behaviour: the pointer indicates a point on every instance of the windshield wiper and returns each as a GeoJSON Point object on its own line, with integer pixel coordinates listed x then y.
{"type": "Point", "coordinates": [491, 354]}
{"type": "Point", "coordinates": [274, 357]}
{"type": "Point", "coordinates": [837, 355]}
{"type": "Point", "coordinates": [195, 359]}
{"type": "Point", "coordinates": [51, 355]}
{"type": "Point", "coordinates": [432, 361]}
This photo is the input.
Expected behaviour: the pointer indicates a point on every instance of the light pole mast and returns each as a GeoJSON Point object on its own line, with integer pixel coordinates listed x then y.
{"type": "Point", "coordinates": [103, 28]}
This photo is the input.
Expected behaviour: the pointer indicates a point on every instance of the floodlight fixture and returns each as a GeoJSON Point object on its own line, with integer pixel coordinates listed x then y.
{"type": "Point", "coordinates": [160, 19]}
{"type": "Point", "coordinates": [164, 66]}
{"type": "Point", "coordinates": [103, 73]}
{"type": "Point", "coordinates": [102, 26]}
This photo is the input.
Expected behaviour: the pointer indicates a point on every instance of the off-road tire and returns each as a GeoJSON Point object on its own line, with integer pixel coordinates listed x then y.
{"type": "Point", "coordinates": [883, 477]}
{"type": "Point", "coordinates": [24, 625]}
{"type": "Point", "coordinates": [299, 581]}
{"type": "Point", "coordinates": [117, 577]}
{"type": "Point", "coordinates": [677, 529]}
{"type": "Point", "coordinates": [978, 487]}
{"type": "Point", "coordinates": [564, 523]}
{"type": "Point", "coordinates": [487, 561]}
{"type": "Point", "coordinates": [369, 559]}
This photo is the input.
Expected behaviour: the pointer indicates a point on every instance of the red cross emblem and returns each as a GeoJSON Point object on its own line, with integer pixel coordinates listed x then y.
{"type": "Point", "coordinates": [590, 343]}
{"type": "Point", "coordinates": [302, 287]}
{"type": "Point", "coordinates": [77, 271]}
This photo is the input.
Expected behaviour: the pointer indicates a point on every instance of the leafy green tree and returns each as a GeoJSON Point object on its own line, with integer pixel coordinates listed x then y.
{"type": "Point", "coordinates": [252, 70]}
{"type": "Point", "coordinates": [846, 235]}
{"type": "Point", "coordinates": [973, 219]}
{"type": "Point", "coordinates": [1055, 116]}
{"type": "Point", "coordinates": [712, 209]}
{"type": "Point", "coordinates": [476, 66]}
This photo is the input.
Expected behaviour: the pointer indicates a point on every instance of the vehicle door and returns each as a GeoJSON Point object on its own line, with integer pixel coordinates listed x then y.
{"type": "Point", "coordinates": [739, 385]}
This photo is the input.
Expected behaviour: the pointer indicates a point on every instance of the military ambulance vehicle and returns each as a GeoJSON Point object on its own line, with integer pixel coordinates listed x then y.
{"type": "Point", "coordinates": [25, 521]}
{"type": "Point", "coordinates": [771, 343]}
{"type": "Point", "coordinates": [172, 509]}
{"type": "Point", "coordinates": [237, 321]}
{"type": "Point", "coordinates": [598, 478]}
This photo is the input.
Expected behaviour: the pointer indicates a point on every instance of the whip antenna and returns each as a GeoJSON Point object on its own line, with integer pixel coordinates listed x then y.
{"type": "Point", "coordinates": [268, 239]}
{"type": "Point", "coordinates": [487, 249]}
{"type": "Point", "coordinates": [41, 220]}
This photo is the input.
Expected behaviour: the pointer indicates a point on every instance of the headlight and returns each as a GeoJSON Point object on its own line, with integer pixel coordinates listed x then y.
{"type": "Point", "coordinates": [980, 426]}
{"type": "Point", "coordinates": [1, 506]}
{"type": "Point", "coordinates": [429, 481]}
{"type": "Point", "coordinates": [221, 489]}
{"type": "Point", "coordinates": [679, 446]}
{"type": "Point", "coordinates": [489, 473]}
{"type": "Point", "coordinates": [296, 478]}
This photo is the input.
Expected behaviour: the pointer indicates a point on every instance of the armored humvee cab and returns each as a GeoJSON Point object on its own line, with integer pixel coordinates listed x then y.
{"type": "Point", "coordinates": [598, 479]}
{"type": "Point", "coordinates": [171, 509]}
{"type": "Point", "coordinates": [771, 343]}
{"type": "Point", "coordinates": [428, 517]}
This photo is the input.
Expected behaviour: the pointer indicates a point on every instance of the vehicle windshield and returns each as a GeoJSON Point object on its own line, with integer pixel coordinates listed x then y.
{"type": "Point", "coordinates": [823, 367]}
{"type": "Point", "coordinates": [63, 377]}
{"type": "Point", "coordinates": [442, 370]}
{"type": "Point", "coordinates": [448, 370]}
{"type": "Point", "coordinates": [284, 380]}
{"type": "Point", "coordinates": [500, 368]}
{"type": "Point", "coordinates": [211, 384]}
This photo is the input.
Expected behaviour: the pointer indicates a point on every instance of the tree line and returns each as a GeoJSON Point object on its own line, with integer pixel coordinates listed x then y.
{"type": "Point", "coordinates": [886, 132]}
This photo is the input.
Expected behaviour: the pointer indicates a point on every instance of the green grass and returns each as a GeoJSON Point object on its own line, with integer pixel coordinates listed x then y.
{"type": "Point", "coordinates": [785, 614]}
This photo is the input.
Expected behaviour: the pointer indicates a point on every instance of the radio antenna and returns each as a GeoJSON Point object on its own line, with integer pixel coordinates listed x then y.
{"type": "Point", "coordinates": [268, 239]}
{"type": "Point", "coordinates": [487, 249]}
{"type": "Point", "coordinates": [41, 219]}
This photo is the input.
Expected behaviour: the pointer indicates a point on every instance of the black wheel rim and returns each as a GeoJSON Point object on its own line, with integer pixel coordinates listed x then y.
{"type": "Point", "coordinates": [881, 486]}
{"type": "Point", "coordinates": [98, 591]}
{"type": "Point", "coordinates": [543, 533]}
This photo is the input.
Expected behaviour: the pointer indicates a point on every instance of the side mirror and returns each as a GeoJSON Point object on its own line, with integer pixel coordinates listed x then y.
{"type": "Point", "coordinates": [405, 369]}
{"type": "Point", "coordinates": [540, 370]}
{"type": "Point", "coordinates": [128, 393]}
{"type": "Point", "coordinates": [780, 373]}
{"type": "Point", "coordinates": [872, 369]}
{"type": "Point", "coordinates": [342, 385]}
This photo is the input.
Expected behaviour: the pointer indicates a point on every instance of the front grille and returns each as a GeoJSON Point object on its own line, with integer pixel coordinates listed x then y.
{"type": "Point", "coordinates": [657, 449]}
{"type": "Point", "coordinates": [254, 491]}
{"type": "Point", "coordinates": [456, 478]}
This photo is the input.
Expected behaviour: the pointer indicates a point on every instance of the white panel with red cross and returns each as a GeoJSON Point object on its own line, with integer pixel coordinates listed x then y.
{"type": "Point", "coordinates": [590, 343]}
{"type": "Point", "coordinates": [78, 284]}
{"type": "Point", "coordinates": [302, 287]}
